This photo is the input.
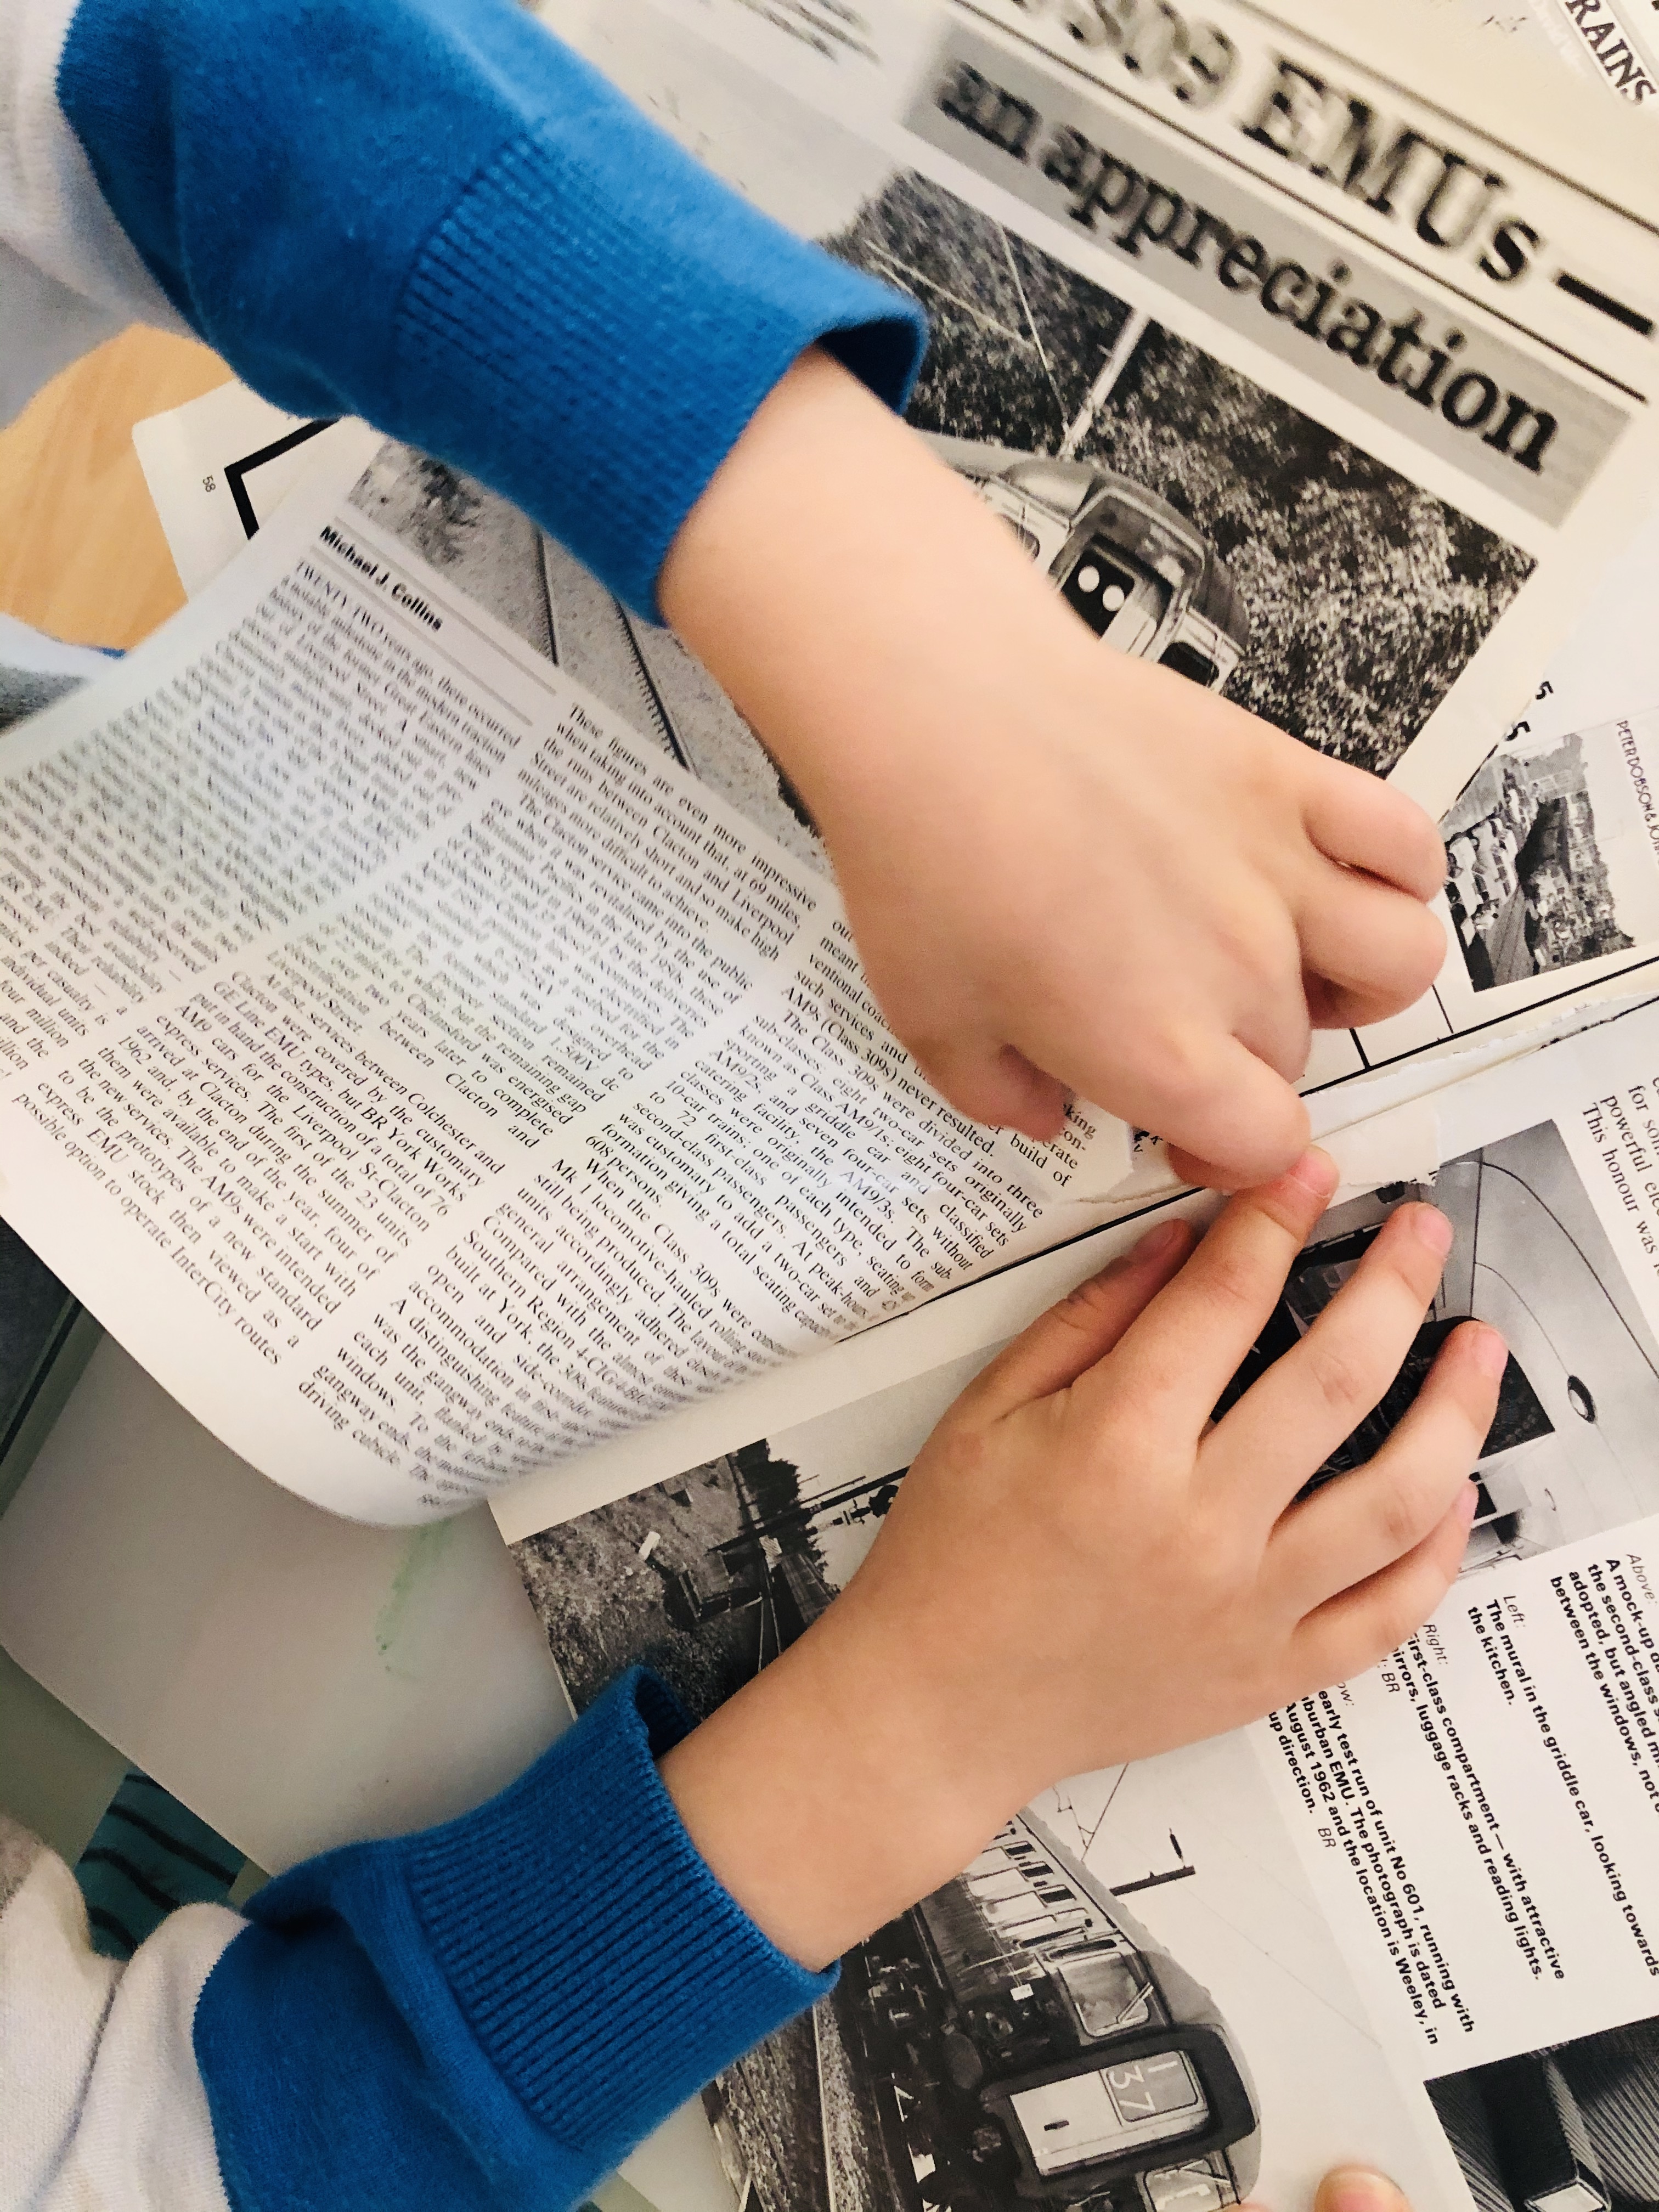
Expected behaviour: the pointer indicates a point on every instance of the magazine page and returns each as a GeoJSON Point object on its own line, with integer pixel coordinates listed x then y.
{"type": "Point", "coordinates": [1551, 893]}
{"type": "Point", "coordinates": [1477, 1815]}
{"type": "Point", "coordinates": [364, 1083]}
{"type": "Point", "coordinates": [1214, 317]}
{"type": "Point", "coordinates": [1409, 1923]}
{"type": "Point", "coordinates": [1523, 20]}
{"type": "Point", "coordinates": [1551, 932]}
{"type": "Point", "coordinates": [1613, 42]}
{"type": "Point", "coordinates": [1127, 1927]}
{"type": "Point", "coordinates": [219, 466]}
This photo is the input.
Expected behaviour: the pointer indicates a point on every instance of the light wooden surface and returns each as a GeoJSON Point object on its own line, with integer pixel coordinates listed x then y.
{"type": "Point", "coordinates": [81, 554]}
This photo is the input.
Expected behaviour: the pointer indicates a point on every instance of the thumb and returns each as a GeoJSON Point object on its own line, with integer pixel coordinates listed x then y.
{"type": "Point", "coordinates": [1357, 2189]}
{"type": "Point", "coordinates": [1067, 1340]}
{"type": "Point", "coordinates": [1350, 2189]}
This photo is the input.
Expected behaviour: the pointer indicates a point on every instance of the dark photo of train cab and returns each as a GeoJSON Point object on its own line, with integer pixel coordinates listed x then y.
{"type": "Point", "coordinates": [1571, 2127]}
{"type": "Point", "coordinates": [1125, 561]}
{"type": "Point", "coordinates": [1570, 1451]}
{"type": "Point", "coordinates": [1032, 2044]}
{"type": "Point", "coordinates": [1016, 2040]}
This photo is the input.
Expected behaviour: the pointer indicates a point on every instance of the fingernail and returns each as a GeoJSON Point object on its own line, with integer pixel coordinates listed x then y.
{"type": "Point", "coordinates": [1316, 1171]}
{"type": "Point", "coordinates": [1357, 2189]}
{"type": "Point", "coordinates": [1433, 1229]}
{"type": "Point", "coordinates": [1157, 1243]}
{"type": "Point", "coordinates": [1491, 1353]}
{"type": "Point", "coordinates": [1467, 1503]}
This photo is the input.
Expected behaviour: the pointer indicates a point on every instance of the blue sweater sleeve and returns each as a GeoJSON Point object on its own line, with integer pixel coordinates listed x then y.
{"type": "Point", "coordinates": [489, 2015]}
{"type": "Point", "coordinates": [430, 214]}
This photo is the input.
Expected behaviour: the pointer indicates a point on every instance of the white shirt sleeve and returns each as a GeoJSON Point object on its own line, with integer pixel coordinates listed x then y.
{"type": "Point", "coordinates": [103, 2107]}
{"type": "Point", "coordinates": [69, 275]}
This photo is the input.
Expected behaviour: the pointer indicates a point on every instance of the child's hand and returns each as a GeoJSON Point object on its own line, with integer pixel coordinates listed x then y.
{"type": "Point", "coordinates": [1079, 1569]}
{"type": "Point", "coordinates": [1065, 869]}
{"type": "Point", "coordinates": [1352, 2188]}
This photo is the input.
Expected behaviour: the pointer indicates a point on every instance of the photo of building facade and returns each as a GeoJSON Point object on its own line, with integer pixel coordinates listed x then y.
{"type": "Point", "coordinates": [1527, 882]}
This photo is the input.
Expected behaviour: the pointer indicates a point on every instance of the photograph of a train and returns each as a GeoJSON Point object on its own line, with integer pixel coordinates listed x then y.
{"type": "Point", "coordinates": [1019, 2038]}
{"type": "Point", "coordinates": [1571, 2127]}
{"type": "Point", "coordinates": [1105, 2012]}
{"type": "Point", "coordinates": [1570, 1452]}
{"type": "Point", "coordinates": [1184, 512]}
{"type": "Point", "coordinates": [1125, 561]}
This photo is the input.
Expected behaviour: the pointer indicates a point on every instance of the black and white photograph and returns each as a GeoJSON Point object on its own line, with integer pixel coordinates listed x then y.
{"type": "Point", "coordinates": [1549, 862]}
{"type": "Point", "coordinates": [1571, 1451]}
{"type": "Point", "coordinates": [1571, 2128]}
{"type": "Point", "coordinates": [1130, 2000]}
{"type": "Point", "coordinates": [1184, 514]}
{"type": "Point", "coordinates": [1142, 1938]}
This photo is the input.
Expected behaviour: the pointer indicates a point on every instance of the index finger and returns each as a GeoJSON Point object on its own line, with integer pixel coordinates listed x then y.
{"type": "Point", "coordinates": [1186, 1347]}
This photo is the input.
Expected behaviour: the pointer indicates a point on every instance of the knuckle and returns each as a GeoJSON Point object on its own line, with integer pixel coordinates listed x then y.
{"type": "Point", "coordinates": [1232, 1281]}
{"type": "Point", "coordinates": [1181, 1066]}
{"type": "Point", "coordinates": [1400, 1517]}
{"type": "Point", "coordinates": [1091, 1301]}
{"type": "Point", "coordinates": [1345, 1376]}
{"type": "Point", "coordinates": [1213, 1555]}
{"type": "Point", "coordinates": [1425, 951]}
{"type": "Point", "coordinates": [1404, 1611]}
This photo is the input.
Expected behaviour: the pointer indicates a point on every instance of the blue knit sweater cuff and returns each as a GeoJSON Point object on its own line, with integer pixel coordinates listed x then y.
{"type": "Point", "coordinates": [432, 213]}
{"type": "Point", "coordinates": [492, 2012]}
{"type": "Point", "coordinates": [604, 1972]}
{"type": "Point", "coordinates": [608, 425]}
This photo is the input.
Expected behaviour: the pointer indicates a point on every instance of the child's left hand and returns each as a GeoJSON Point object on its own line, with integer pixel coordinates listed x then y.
{"type": "Point", "coordinates": [1081, 1569]}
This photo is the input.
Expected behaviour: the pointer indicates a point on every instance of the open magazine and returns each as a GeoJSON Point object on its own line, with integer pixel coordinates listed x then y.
{"type": "Point", "coordinates": [1413, 1920]}
{"type": "Point", "coordinates": [415, 1136]}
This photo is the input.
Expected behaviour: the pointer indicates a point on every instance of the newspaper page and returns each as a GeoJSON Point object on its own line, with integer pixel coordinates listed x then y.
{"type": "Point", "coordinates": [418, 1072]}
{"type": "Point", "coordinates": [1605, 670]}
{"type": "Point", "coordinates": [1413, 1921]}
{"type": "Point", "coordinates": [219, 466]}
{"type": "Point", "coordinates": [1552, 894]}
{"type": "Point", "coordinates": [1188, 450]}
{"type": "Point", "coordinates": [499, 557]}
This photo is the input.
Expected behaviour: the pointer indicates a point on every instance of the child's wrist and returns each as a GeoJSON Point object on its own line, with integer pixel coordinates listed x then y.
{"type": "Point", "coordinates": [825, 1797]}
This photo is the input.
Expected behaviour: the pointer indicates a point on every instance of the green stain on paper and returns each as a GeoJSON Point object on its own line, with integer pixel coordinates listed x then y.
{"type": "Point", "coordinates": [421, 1555]}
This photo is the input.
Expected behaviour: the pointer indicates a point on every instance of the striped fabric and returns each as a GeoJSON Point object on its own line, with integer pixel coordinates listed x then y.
{"type": "Point", "coordinates": [148, 1854]}
{"type": "Point", "coordinates": [1614, 2077]}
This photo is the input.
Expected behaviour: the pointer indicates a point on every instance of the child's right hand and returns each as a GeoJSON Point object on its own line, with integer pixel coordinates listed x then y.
{"type": "Point", "coordinates": [1079, 1569]}
{"type": "Point", "coordinates": [1065, 868]}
